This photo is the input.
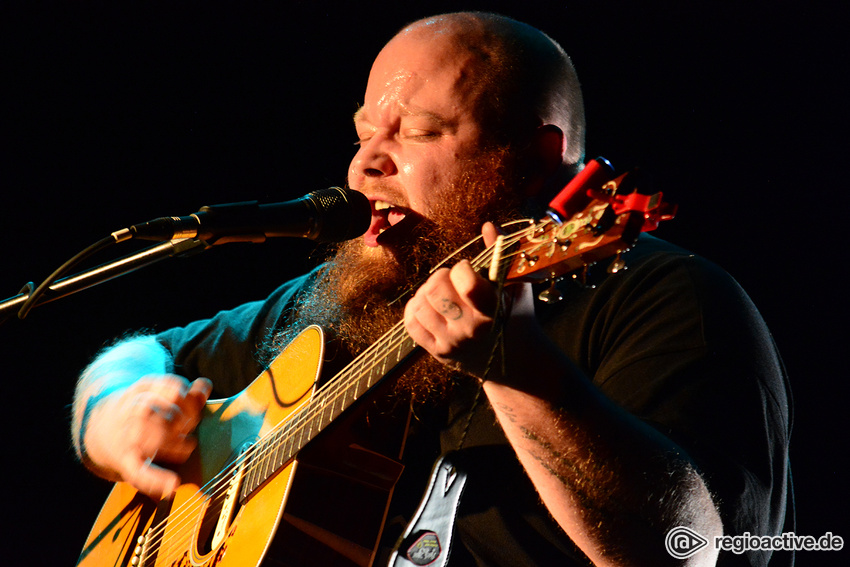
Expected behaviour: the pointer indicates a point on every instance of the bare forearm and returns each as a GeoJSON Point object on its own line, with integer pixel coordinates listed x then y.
{"type": "Point", "coordinates": [614, 484]}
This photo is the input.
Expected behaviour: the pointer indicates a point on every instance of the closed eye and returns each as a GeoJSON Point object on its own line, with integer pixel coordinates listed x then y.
{"type": "Point", "coordinates": [421, 134]}
{"type": "Point", "coordinates": [363, 138]}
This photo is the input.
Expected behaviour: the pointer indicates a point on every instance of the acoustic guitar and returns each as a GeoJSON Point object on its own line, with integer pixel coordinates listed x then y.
{"type": "Point", "coordinates": [241, 505]}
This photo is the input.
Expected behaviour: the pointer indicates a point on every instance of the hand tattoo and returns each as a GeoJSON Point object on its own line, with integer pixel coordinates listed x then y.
{"type": "Point", "coordinates": [450, 309]}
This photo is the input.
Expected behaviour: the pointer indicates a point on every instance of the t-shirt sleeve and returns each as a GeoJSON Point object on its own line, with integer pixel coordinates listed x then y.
{"type": "Point", "coordinates": [225, 347]}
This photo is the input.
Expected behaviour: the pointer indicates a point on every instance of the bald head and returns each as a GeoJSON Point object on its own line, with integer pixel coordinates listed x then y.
{"type": "Point", "coordinates": [520, 77]}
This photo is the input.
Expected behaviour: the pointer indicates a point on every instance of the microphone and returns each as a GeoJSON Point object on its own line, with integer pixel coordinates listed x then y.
{"type": "Point", "coordinates": [327, 215]}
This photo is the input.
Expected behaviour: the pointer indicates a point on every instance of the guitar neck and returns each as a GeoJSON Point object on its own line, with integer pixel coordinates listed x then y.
{"type": "Point", "coordinates": [280, 446]}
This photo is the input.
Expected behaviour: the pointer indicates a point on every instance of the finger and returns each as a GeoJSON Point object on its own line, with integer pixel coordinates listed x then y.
{"type": "Point", "coordinates": [420, 335]}
{"type": "Point", "coordinates": [472, 289]}
{"type": "Point", "coordinates": [437, 295]}
{"type": "Point", "coordinates": [157, 428]}
{"type": "Point", "coordinates": [446, 306]}
{"type": "Point", "coordinates": [169, 386]}
{"type": "Point", "coordinates": [180, 443]}
{"type": "Point", "coordinates": [177, 450]}
{"type": "Point", "coordinates": [430, 306]}
{"type": "Point", "coordinates": [179, 402]}
{"type": "Point", "coordinates": [431, 334]}
{"type": "Point", "coordinates": [149, 420]}
{"type": "Point", "coordinates": [152, 408]}
{"type": "Point", "coordinates": [193, 404]}
{"type": "Point", "coordinates": [163, 394]}
{"type": "Point", "coordinates": [436, 320]}
{"type": "Point", "coordinates": [200, 390]}
{"type": "Point", "coordinates": [430, 311]}
{"type": "Point", "coordinates": [490, 232]}
{"type": "Point", "coordinates": [150, 479]}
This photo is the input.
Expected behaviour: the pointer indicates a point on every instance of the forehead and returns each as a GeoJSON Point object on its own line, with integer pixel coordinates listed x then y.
{"type": "Point", "coordinates": [422, 73]}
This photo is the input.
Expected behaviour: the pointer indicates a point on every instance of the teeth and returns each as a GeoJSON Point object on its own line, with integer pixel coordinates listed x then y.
{"type": "Point", "coordinates": [382, 206]}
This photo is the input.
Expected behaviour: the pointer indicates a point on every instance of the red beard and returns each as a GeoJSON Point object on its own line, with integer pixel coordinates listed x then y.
{"type": "Point", "coordinates": [361, 292]}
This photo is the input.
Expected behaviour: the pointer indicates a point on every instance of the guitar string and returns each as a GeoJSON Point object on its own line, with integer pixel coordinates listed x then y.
{"type": "Point", "coordinates": [188, 511]}
{"type": "Point", "coordinates": [341, 387]}
{"type": "Point", "coordinates": [358, 367]}
{"type": "Point", "coordinates": [309, 412]}
{"type": "Point", "coordinates": [342, 383]}
{"type": "Point", "coordinates": [257, 455]}
{"type": "Point", "coordinates": [395, 341]}
{"type": "Point", "coordinates": [312, 409]}
{"type": "Point", "coordinates": [338, 383]}
{"type": "Point", "coordinates": [261, 450]}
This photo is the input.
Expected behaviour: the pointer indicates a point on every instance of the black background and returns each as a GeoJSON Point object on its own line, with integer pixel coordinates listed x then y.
{"type": "Point", "coordinates": [116, 113]}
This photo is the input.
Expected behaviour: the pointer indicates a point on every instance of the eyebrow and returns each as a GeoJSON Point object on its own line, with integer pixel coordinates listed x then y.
{"type": "Point", "coordinates": [360, 115]}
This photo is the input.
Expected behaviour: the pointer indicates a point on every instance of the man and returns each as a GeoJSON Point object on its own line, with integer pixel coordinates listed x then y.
{"type": "Point", "coordinates": [649, 401]}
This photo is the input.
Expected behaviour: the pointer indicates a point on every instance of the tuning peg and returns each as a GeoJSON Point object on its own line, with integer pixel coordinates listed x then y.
{"type": "Point", "coordinates": [563, 244]}
{"type": "Point", "coordinates": [617, 265]}
{"type": "Point", "coordinates": [551, 294]}
{"type": "Point", "coordinates": [582, 276]}
{"type": "Point", "coordinates": [529, 259]}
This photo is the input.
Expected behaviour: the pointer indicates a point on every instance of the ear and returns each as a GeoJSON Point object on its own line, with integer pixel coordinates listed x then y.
{"type": "Point", "coordinates": [547, 150]}
{"type": "Point", "coordinates": [551, 145]}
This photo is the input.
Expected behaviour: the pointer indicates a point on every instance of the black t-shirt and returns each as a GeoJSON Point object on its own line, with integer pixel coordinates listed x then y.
{"type": "Point", "coordinates": [673, 339]}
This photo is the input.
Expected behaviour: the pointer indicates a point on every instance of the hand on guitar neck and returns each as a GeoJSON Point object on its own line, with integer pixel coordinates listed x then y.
{"type": "Point", "coordinates": [129, 411]}
{"type": "Point", "coordinates": [451, 316]}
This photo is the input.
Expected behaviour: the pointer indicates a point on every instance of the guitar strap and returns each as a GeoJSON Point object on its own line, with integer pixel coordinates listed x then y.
{"type": "Point", "coordinates": [427, 540]}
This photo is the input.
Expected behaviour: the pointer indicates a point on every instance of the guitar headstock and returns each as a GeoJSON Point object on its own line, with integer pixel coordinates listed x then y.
{"type": "Point", "coordinates": [590, 220]}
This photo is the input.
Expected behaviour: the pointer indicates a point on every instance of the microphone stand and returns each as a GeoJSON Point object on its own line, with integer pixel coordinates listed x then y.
{"type": "Point", "coordinates": [105, 272]}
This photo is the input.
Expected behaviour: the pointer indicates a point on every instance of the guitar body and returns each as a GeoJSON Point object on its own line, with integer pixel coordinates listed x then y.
{"type": "Point", "coordinates": [206, 524]}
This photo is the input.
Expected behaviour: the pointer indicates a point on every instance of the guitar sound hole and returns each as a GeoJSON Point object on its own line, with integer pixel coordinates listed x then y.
{"type": "Point", "coordinates": [207, 541]}
{"type": "Point", "coordinates": [222, 508]}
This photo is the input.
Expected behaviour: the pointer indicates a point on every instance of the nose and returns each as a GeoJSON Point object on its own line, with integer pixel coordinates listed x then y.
{"type": "Point", "coordinates": [371, 160]}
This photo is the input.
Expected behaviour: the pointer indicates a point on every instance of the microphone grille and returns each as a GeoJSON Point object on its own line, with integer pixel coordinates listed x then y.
{"type": "Point", "coordinates": [344, 214]}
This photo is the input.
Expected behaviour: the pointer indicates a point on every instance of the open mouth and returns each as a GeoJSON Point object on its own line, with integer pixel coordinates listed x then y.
{"type": "Point", "coordinates": [386, 216]}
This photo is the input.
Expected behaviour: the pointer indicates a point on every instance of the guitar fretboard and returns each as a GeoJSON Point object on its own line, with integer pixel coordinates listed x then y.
{"type": "Point", "coordinates": [280, 446]}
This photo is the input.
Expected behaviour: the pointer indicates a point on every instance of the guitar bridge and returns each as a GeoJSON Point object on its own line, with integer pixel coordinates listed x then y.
{"type": "Point", "coordinates": [140, 553]}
